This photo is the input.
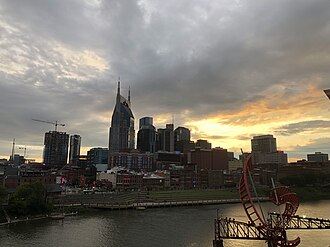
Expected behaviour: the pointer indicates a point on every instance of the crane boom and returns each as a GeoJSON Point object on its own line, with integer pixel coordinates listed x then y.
{"type": "Point", "coordinates": [54, 123]}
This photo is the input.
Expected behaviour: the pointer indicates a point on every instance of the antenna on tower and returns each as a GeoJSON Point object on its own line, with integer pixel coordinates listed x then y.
{"type": "Point", "coordinates": [129, 94]}
{"type": "Point", "coordinates": [118, 85]}
{"type": "Point", "coordinates": [13, 151]}
{"type": "Point", "coordinates": [118, 90]}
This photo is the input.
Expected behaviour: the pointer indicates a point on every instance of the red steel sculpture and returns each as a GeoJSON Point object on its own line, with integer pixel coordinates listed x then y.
{"type": "Point", "coordinates": [274, 235]}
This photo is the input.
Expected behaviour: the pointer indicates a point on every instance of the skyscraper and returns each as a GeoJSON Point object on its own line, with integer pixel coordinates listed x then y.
{"type": "Point", "coordinates": [122, 133]}
{"type": "Point", "coordinates": [165, 139]}
{"type": "Point", "coordinates": [146, 138]}
{"type": "Point", "coordinates": [181, 134]}
{"type": "Point", "coordinates": [98, 157]}
{"type": "Point", "coordinates": [264, 150]}
{"type": "Point", "coordinates": [56, 148]}
{"type": "Point", "coordinates": [182, 141]}
{"type": "Point", "coordinates": [146, 121]}
{"type": "Point", "coordinates": [263, 144]}
{"type": "Point", "coordinates": [75, 143]}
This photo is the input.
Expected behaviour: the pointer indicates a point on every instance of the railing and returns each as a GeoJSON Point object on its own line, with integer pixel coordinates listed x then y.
{"type": "Point", "coordinates": [301, 222]}
{"type": "Point", "coordinates": [134, 204]}
{"type": "Point", "coordinates": [230, 228]}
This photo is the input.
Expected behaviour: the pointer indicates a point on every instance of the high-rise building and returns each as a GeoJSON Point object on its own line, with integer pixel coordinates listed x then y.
{"type": "Point", "coordinates": [146, 121]}
{"type": "Point", "coordinates": [165, 138]}
{"type": "Point", "coordinates": [56, 148]}
{"type": "Point", "coordinates": [182, 141]}
{"type": "Point", "coordinates": [122, 133]}
{"type": "Point", "coordinates": [74, 152]}
{"type": "Point", "coordinates": [264, 151]}
{"type": "Point", "coordinates": [203, 144]}
{"type": "Point", "coordinates": [98, 157]}
{"type": "Point", "coordinates": [181, 134]}
{"type": "Point", "coordinates": [263, 144]}
{"type": "Point", "coordinates": [146, 137]}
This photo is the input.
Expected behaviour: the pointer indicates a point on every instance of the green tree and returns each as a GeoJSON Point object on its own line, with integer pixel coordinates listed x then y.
{"type": "Point", "coordinates": [3, 195]}
{"type": "Point", "coordinates": [306, 179]}
{"type": "Point", "coordinates": [29, 199]}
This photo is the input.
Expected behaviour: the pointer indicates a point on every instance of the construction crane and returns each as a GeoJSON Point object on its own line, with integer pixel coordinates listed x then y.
{"type": "Point", "coordinates": [54, 123]}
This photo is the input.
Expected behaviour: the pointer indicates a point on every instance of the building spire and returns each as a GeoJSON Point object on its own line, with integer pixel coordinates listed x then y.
{"type": "Point", "coordinates": [129, 94]}
{"type": "Point", "coordinates": [118, 90]}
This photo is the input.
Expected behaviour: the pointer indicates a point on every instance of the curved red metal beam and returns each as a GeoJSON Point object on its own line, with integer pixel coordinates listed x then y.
{"type": "Point", "coordinates": [276, 235]}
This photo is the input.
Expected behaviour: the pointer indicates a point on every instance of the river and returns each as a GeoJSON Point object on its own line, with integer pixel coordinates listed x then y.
{"type": "Point", "coordinates": [158, 227]}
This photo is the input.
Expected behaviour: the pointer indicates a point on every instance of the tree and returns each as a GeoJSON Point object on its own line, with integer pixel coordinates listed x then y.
{"type": "Point", "coordinates": [3, 195]}
{"type": "Point", "coordinates": [29, 199]}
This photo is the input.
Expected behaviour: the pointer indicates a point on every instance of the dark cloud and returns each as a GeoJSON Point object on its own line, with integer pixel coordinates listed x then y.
{"type": "Point", "coordinates": [193, 57]}
{"type": "Point", "coordinates": [295, 128]}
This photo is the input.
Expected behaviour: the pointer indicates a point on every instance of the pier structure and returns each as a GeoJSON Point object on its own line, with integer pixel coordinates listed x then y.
{"type": "Point", "coordinates": [228, 228]}
{"type": "Point", "coordinates": [271, 229]}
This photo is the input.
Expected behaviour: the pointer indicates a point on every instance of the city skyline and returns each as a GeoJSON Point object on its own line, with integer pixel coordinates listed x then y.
{"type": "Point", "coordinates": [227, 70]}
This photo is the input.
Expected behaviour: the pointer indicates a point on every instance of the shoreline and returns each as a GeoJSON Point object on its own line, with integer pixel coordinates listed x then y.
{"type": "Point", "coordinates": [158, 199]}
{"type": "Point", "coordinates": [136, 205]}
{"type": "Point", "coordinates": [132, 206]}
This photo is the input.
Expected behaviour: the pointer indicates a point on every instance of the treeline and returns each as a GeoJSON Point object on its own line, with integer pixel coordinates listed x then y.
{"type": "Point", "coordinates": [307, 179]}
{"type": "Point", "coordinates": [29, 199]}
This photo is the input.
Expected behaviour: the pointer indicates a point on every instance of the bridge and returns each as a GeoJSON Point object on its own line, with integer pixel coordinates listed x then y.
{"type": "Point", "coordinates": [271, 229]}
{"type": "Point", "coordinates": [301, 222]}
{"type": "Point", "coordinates": [228, 228]}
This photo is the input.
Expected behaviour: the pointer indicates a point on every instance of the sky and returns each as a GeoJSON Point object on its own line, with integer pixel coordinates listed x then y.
{"type": "Point", "coordinates": [226, 69]}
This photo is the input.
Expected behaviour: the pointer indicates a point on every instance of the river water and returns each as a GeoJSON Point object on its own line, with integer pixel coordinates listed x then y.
{"type": "Point", "coordinates": [158, 227]}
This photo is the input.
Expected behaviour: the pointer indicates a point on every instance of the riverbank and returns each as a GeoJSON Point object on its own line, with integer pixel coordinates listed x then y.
{"type": "Point", "coordinates": [85, 203]}
{"type": "Point", "coordinates": [35, 218]}
{"type": "Point", "coordinates": [121, 200]}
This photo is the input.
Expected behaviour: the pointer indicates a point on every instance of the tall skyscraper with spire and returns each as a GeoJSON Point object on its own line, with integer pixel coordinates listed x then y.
{"type": "Point", "coordinates": [122, 133]}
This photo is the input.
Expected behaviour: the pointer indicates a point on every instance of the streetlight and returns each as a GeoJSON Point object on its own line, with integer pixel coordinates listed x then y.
{"type": "Point", "coordinates": [327, 92]}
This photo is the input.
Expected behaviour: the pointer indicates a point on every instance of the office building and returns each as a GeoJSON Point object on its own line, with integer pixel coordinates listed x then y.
{"type": "Point", "coordinates": [98, 157]}
{"type": "Point", "coordinates": [74, 152]}
{"type": "Point", "coordinates": [278, 157]}
{"type": "Point", "coordinates": [317, 157]}
{"type": "Point", "coordinates": [146, 137]}
{"type": "Point", "coordinates": [122, 133]}
{"type": "Point", "coordinates": [165, 138]}
{"type": "Point", "coordinates": [55, 148]}
{"type": "Point", "coordinates": [263, 144]}
{"type": "Point", "coordinates": [182, 141]}
{"type": "Point", "coordinates": [264, 151]}
{"type": "Point", "coordinates": [209, 159]}
{"type": "Point", "coordinates": [146, 121]}
{"type": "Point", "coordinates": [181, 134]}
{"type": "Point", "coordinates": [132, 160]}
{"type": "Point", "coordinates": [203, 144]}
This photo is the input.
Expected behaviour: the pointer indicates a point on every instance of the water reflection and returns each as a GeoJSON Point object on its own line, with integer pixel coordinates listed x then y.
{"type": "Point", "coordinates": [162, 227]}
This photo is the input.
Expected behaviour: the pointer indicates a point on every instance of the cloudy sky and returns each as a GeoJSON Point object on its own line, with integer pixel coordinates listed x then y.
{"type": "Point", "coordinates": [226, 69]}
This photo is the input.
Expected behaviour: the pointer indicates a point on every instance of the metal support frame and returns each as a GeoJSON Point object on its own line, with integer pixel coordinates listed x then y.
{"type": "Point", "coordinates": [301, 222]}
